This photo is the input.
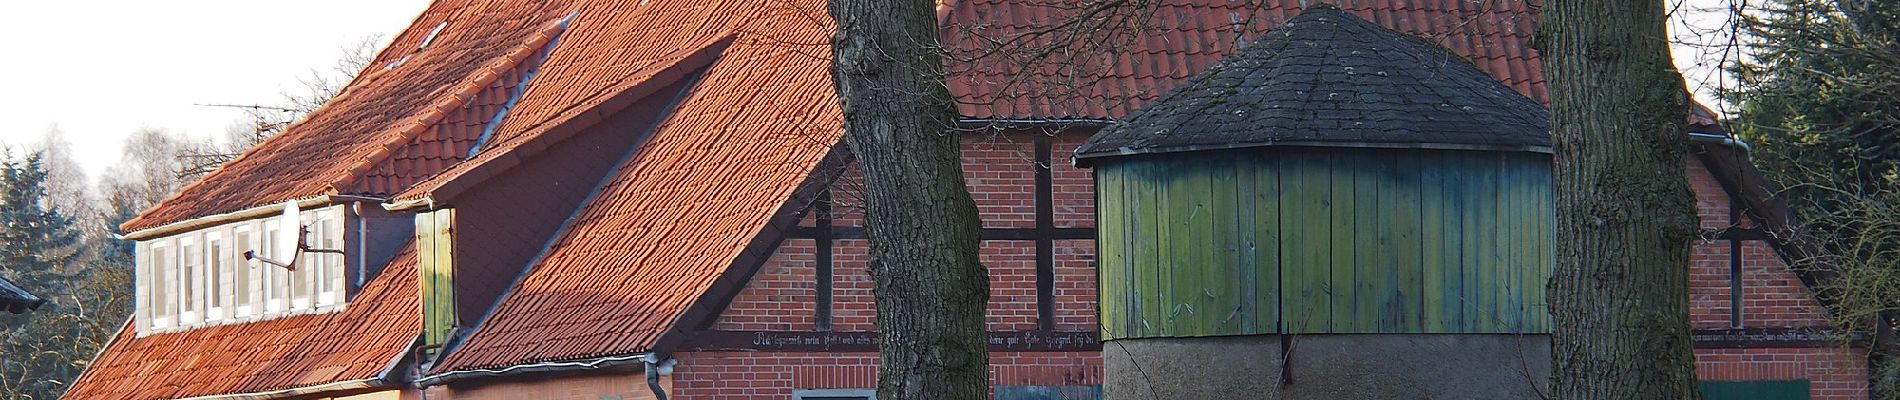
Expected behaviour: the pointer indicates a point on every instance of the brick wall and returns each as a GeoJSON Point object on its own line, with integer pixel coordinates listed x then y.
{"type": "Point", "coordinates": [775, 375]}
{"type": "Point", "coordinates": [1772, 297]}
{"type": "Point", "coordinates": [1833, 373]}
{"type": "Point", "coordinates": [1000, 171]}
{"type": "Point", "coordinates": [780, 295]}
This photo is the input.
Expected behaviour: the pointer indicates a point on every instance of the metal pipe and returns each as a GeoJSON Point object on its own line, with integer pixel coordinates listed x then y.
{"type": "Point", "coordinates": [655, 368]}
{"type": "Point", "coordinates": [1719, 138]}
{"type": "Point", "coordinates": [590, 364]}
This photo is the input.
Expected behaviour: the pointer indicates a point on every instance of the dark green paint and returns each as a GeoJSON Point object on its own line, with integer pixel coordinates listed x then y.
{"type": "Point", "coordinates": [1308, 240]}
{"type": "Point", "coordinates": [1754, 390]}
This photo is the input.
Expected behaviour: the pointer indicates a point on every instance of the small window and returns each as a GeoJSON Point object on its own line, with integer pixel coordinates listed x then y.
{"type": "Point", "coordinates": [430, 38]}
{"type": "Point", "coordinates": [246, 272]}
{"type": "Point", "coordinates": [275, 277]}
{"type": "Point", "coordinates": [307, 265]}
{"type": "Point", "coordinates": [190, 281]}
{"type": "Point", "coordinates": [165, 305]}
{"type": "Point", "coordinates": [218, 271]}
{"type": "Point", "coordinates": [330, 275]}
{"type": "Point", "coordinates": [835, 394]}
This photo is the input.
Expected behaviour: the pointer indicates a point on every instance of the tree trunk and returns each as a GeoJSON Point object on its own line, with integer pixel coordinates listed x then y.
{"type": "Point", "coordinates": [899, 121]}
{"type": "Point", "coordinates": [1625, 216]}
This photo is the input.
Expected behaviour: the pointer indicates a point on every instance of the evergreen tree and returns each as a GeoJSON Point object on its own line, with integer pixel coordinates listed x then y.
{"type": "Point", "coordinates": [45, 350]}
{"type": "Point", "coordinates": [1818, 96]}
{"type": "Point", "coordinates": [36, 240]}
{"type": "Point", "coordinates": [1820, 100]}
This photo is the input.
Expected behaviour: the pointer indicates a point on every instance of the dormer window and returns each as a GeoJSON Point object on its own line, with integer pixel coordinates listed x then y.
{"type": "Point", "coordinates": [201, 277]}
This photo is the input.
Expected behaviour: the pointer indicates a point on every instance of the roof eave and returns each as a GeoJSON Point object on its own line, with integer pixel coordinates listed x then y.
{"type": "Point", "coordinates": [1090, 158]}
{"type": "Point", "coordinates": [350, 385]}
{"type": "Point", "coordinates": [240, 215]}
{"type": "Point", "coordinates": [586, 364]}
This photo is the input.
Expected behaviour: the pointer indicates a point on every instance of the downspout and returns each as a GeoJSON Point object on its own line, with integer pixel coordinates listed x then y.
{"type": "Point", "coordinates": [655, 367]}
{"type": "Point", "coordinates": [362, 245]}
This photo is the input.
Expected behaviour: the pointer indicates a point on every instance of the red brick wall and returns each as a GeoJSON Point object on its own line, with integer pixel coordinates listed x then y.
{"type": "Point", "coordinates": [1833, 373]}
{"type": "Point", "coordinates": [1075, 286]}
{"type": "Point", "coordinates": [599, 386]}
{"type": "Point", "coordinates": [1772, 297]}
{"type": "Point", "coordinates": [999, 170]}
{"type": "Point", "coordinates": [780, 295]}
{"type": "Point", "coordinates": [1074, 187]}
{"type": "Point", "coordinates": [773, 375]}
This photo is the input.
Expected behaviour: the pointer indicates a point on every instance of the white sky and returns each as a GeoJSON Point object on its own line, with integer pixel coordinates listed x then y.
{"type": "Point", "coordinates": [101, 69]}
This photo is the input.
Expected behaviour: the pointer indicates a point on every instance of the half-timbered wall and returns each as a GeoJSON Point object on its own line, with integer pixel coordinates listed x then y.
{"type": "Point", "coordinates": [807, 318]}
{"type": "Point", "coordinates": [1037, 246]}
{"type": "Point", "coordinates": [1753, 319]}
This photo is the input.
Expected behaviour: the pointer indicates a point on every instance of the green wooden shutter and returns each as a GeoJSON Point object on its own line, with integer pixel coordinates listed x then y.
{"type": "Point", "coordinates": [434, 233]}
{"type": "Point", "coordinates": [1754, 390]}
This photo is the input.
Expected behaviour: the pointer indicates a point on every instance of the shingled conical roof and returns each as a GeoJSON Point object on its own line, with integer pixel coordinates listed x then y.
{"type": "Point", "coordinates": [1329, 78]}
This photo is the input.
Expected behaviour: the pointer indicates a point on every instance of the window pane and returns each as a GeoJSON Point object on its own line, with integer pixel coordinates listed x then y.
{"type": "Point", "coordinates": [274, 282]}
{"type": "Point", "coordinates": [241, 279]}
{"type": "Point", "coordinates": [189, 276]}
{"type": "Point", "coordinates": [333, 268]}
{"type": "Point", "coordinates": [306, 265]}
{"type": "Point", "coordinates": [162, 286]}
{"type": "Point", "coordinates": [214, 264]}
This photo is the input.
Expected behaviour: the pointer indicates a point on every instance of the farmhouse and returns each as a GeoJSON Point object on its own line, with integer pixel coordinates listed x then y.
{"type": "Point", "coordinates": [648, 198]}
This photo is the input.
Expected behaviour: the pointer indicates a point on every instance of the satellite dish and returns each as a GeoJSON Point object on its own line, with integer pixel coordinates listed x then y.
{"type": "Point", "coordinates": [290, 238]}
{"type": "Point", "coordinates": [289, 243]}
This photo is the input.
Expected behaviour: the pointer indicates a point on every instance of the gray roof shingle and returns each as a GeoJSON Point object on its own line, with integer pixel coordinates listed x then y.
{"type": "Point", "coordinates": [15, 300]}
{"type": "Point", "coordinates": [1329, 78]}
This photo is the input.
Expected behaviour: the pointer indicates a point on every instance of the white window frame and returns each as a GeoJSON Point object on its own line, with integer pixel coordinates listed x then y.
{"type": "Point", "coordinates": [190, 280]}
{"type": "Point", "coordinates": [327, 228]}
{"type": "Point", "coordinates": [268, 294]}
{"type": "Point", "coordinates": [218, 275]}
{"type": "Point", "coordinates": [870, 394]}
{"type": "Point", "coordinates": [245, 304]}
{"type": "Point", "coordinates": [276, 298]}
{"type": "Point", "coordinates": [301, 293]}
{"type": "Point", "coordinates": [161, 303]}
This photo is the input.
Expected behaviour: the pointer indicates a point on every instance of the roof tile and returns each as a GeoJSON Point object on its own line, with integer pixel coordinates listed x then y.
{"type": "Point", "coordinates": [402, 86]}
{"type": "Point", "coordinates": [359, 342]}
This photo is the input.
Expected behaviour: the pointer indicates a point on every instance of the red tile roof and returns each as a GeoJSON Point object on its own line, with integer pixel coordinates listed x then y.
{"type": "Point", "coordinates": [675, 217]}
{"type": "Point", "coordinates": [1133, 58]}
{"type": "Point", "coordinates": [387, 109]}
{"type": "Point", "coordinates": [671, 220]}
{"type": "Point", "coordinates": [574, 92]}
{"type": "Point", "coordinates": [357, 343]}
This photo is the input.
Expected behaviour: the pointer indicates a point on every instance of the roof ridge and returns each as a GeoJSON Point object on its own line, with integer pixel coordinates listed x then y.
{"type": "Point", "coordinates": [495, 69]}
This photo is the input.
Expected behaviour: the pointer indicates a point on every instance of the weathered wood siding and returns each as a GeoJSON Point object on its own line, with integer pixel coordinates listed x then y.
{"type": "Point", "coordinates": [434, 248]}
{"type": "Point", "coordinates": [1306, 240]}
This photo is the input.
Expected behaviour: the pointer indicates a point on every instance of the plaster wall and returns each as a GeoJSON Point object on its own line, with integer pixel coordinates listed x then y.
{"type": "Point", "coordinates": [1413, 366]}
